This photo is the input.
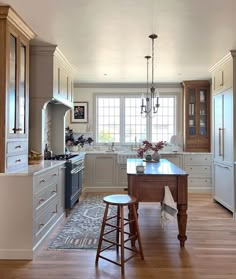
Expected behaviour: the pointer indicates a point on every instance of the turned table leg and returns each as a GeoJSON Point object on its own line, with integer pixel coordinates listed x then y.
{"type": "Point", "coordinates": [182, 223]}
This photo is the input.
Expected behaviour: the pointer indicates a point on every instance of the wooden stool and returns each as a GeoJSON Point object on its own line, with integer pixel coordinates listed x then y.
{"type": "Point", "coordinates": [120, 201]}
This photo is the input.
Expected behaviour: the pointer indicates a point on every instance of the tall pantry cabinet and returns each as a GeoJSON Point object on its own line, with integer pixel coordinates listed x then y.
{"type": "Point", "coordinates": [224, 130]}
{"type": "Point", "coordinates": [14, 90]}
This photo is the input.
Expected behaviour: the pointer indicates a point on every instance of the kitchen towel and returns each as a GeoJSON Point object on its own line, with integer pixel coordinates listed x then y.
{"type": "Point", "coordinates": [168, 208]}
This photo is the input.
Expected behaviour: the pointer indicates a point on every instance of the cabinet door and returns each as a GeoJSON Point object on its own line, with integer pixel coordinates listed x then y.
{"type": "Point", "coordinates": [218, 126]}
{"type": "Point", "coordinates": [12, 86]}
{"type": "Point", "coordinates": [197, 116]}
{"type": "Point", "coordinates": [223, 189]}
{"type": "Point", "coordinates": [228, 127]}
{"type": "Point", "coordinates": [17, 96]}
{"type": "Point", "coordinates": [223, 127]}
{"type": "Point", "coordinates": [104, 170]}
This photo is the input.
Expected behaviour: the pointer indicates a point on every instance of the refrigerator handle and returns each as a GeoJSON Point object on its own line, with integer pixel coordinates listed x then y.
{"type": "Point", "coordinates": [221, 142]}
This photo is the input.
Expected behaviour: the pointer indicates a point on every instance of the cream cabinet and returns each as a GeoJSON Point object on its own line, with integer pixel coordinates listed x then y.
{"type": "Point", "coordinates": [100, 171]}
{"type": "Point", "coordinates": [224, 130]}
{"type": "Point", "coordinates": [199, 168]}
{"type": "Point", "coordinates": [52, 76]}
{"type": "Point", "coordinates": [47, 201]}
{"type": "Point", "coordinates": [14, 90]}
{"type": "Point", "coordinates": [37, 205]}
{"type": "Point", "coordinates": [175, 159]}
{"type": "Point", "coordinates": [222, 75]}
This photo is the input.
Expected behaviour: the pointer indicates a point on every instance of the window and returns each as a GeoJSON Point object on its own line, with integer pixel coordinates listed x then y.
{"type": "Point", "coordinates": [108, 119]}
{"type": "Point", "coordinates": [119, 120]}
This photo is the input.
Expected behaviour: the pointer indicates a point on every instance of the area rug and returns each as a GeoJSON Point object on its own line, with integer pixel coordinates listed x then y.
{"type": "Point", "coordinates": [82, 230]}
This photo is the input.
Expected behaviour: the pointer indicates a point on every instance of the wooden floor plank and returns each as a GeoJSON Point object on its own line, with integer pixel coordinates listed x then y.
{"type": "Point", "coordinates": [209, 253]}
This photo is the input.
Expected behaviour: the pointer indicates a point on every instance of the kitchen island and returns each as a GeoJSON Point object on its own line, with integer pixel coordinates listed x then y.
{"type": "Point", "coordinates": [149, 187]}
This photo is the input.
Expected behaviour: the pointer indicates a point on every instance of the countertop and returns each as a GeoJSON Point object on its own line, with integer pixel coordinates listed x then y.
{"type": "Point", "coordinates": [163, 167]}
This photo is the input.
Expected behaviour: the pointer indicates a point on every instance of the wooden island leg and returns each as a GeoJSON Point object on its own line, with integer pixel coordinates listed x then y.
{"type": "Point", "coordinates": [182, 223]}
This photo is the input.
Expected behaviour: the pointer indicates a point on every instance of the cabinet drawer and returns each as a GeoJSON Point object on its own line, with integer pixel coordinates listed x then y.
{"type": "Point", "coordinates": [201, 170]}
{"type": "Point", "coordinates": [200, 182]}
{"type": "Point", "coordinates": [198, 159]}
{"type": "Point", "coordinates": [45, 196]}
{"type": "Point", "coordinates": [16, 161]}
{"type": "Point", "coordinates": [44, 179]}
{"type": "Point", "coordinates": [45, 221]}
{"type": "Point", "coordinates": [17, 147]}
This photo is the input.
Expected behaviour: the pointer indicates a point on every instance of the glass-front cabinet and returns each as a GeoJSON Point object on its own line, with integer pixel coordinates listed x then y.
{"type": "Point", "coordinates": [18, 95]}
{"type": "Point", "coordinates": [14, 90]}
{"type": "Point", "coordinates": [196, 116]}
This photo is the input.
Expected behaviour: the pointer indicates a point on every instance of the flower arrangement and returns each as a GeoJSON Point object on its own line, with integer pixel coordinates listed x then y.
{"type": "Point", "coordinates": [149, 146]}
{"type": "Point", "coordinates": [79, 141]}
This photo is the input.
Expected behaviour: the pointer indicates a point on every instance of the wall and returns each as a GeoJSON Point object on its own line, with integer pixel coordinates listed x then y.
{"type": "Point", "coordinates": [85, 93]}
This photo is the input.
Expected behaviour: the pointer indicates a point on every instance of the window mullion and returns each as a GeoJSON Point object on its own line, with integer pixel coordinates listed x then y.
{"type": "Point", "coordinates": [122, 119]}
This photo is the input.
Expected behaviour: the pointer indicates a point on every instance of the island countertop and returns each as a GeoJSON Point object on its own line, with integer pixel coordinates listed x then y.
{"type": "Point", "coordinates": [163, 167]}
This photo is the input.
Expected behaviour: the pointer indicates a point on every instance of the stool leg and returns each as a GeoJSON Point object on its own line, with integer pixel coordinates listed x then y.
{"type": "Point", "coordinates": [122, 239]}
{"type": "Point", "coordinates": [117, 231]}
{"type": "Point", "coordinates": [101, 233]}
{"type": "Point", "coordinates": [137, 231]}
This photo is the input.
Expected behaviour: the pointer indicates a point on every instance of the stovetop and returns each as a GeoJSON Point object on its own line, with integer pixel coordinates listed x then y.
{"type": "Point", "coordinates": [62, 157]}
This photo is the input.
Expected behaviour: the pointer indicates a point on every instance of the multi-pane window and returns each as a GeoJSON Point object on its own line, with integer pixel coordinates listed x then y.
{"type": "Point", "coordinates": [108, 119]}
{"type": "Point", "coordinates": [119, 120]}
{"type": "Point", "coordinates": [164, 125]}
{"type": "Point", "coordinates": [135, 125]}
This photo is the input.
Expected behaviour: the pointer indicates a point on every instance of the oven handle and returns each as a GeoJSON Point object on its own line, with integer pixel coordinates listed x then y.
{"type": "Point", "coordinates": [76, 171]}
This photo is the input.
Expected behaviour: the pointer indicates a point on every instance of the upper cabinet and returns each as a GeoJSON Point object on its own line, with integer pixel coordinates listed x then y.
{"type": "Point", "coordinates": [222, 75]}
{"type": "Point", "coordinates": [14, 89]}
{"type": "Point", "coordinates": [196, 116]}
{"type": "Point", "coordinates": [52, 76]}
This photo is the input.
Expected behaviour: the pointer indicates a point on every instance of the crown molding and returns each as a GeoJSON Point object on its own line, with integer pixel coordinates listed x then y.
{"type": "Point", "coordinates": [8, 13]}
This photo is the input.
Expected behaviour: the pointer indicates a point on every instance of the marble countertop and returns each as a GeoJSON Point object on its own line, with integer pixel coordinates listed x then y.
{"type": "Point", "coordinates": [163, 167]}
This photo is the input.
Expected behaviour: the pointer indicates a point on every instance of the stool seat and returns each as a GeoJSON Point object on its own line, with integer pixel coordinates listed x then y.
{"type": "Point", "coordinates": [120, 199]}
{"type": "Point", "coordinates": [122, 236]}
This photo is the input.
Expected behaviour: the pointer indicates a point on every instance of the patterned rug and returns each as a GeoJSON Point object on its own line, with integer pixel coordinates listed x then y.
{"type": "Point", "coordinates": [82, 230]}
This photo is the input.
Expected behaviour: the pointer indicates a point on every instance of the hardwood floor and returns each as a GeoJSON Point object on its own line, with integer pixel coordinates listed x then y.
{"type": "Point", "coordinates": [209, 253]}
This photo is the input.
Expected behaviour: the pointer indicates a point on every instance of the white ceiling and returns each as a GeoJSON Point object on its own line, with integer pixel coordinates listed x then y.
{"type": "Point", "coordinates": [106, 40]}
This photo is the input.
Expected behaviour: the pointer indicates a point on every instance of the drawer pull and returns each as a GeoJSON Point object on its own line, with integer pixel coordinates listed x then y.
{"type": "Point", "coordinates": [54, 174]}
{"type": "Point", "coordinates": [41, 225]}
{"type": "Point", "coordinates": [17, 146]}
{"type": "Point", "coordinates": [54, 191]}
{"type": "Point", "coordinates": [41, 200]}
{"type": "Point", "coordinates": [42, 181]}
{"type": "Point", "coordinates": [18, 160]}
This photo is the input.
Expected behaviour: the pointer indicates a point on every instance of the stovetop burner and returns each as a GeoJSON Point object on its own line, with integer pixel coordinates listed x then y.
{"type": "Point", "coordinates": [62, 157]}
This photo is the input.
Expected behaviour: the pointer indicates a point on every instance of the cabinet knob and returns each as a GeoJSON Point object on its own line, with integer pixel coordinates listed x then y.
{"type": "Point", "coordinates": [17, 146]}
{"type": "Point", "coordinates": [18, 160]}
{"type": "Point", "coordinates": [42, 180]}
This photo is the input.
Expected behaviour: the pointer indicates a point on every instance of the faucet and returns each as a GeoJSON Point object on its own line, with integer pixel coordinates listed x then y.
{"type": "Point", "coordinates": [112, 146]}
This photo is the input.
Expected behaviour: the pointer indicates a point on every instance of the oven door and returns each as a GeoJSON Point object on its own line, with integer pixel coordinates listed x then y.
{"type": "Point", "coordinates": [74, 180]}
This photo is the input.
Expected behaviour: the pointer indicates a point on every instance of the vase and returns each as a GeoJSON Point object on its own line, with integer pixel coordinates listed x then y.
{"type": "Point", "coordinates": [156, 156]}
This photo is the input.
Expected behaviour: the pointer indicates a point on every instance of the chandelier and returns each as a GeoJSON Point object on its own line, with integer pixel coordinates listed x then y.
{"type": "Point", "coordinates": [150, 101]}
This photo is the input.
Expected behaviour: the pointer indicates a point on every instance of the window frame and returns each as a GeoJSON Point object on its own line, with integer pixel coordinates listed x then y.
{"type": "Point", "coordinates": [168, 93]}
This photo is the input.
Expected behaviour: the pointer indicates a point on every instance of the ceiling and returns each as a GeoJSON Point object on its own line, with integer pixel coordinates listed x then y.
{"type": "Point", "coordinates": [106, 40]}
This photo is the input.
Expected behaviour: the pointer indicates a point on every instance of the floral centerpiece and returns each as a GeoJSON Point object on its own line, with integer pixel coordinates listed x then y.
{"type": "Point", "coordinates": [149, 147]}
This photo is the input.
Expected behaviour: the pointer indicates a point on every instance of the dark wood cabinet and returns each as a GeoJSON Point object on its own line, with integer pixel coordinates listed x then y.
{"type": "Point", "coordinates": [197, 116]}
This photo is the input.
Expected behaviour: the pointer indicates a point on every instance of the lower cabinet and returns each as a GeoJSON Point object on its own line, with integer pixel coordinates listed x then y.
{"type": "Point", "coordinates": [100, 171]}
{"type": "Point", "coordinates": [48, 201]}
{"type": "Point", "coordinates": [108, 171]}
{"type": "Point", "coordinates": [37, 205]}
{"type": "Point", "coordinates": [224, 185]}
{"type": "Point", "coordinates": [175, 159]}
{"type": "Point", "coordinates": [199, 168]}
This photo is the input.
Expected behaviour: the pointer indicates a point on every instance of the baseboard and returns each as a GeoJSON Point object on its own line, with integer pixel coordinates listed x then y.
{"type": "Point", "coordinates": [16, 254]}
